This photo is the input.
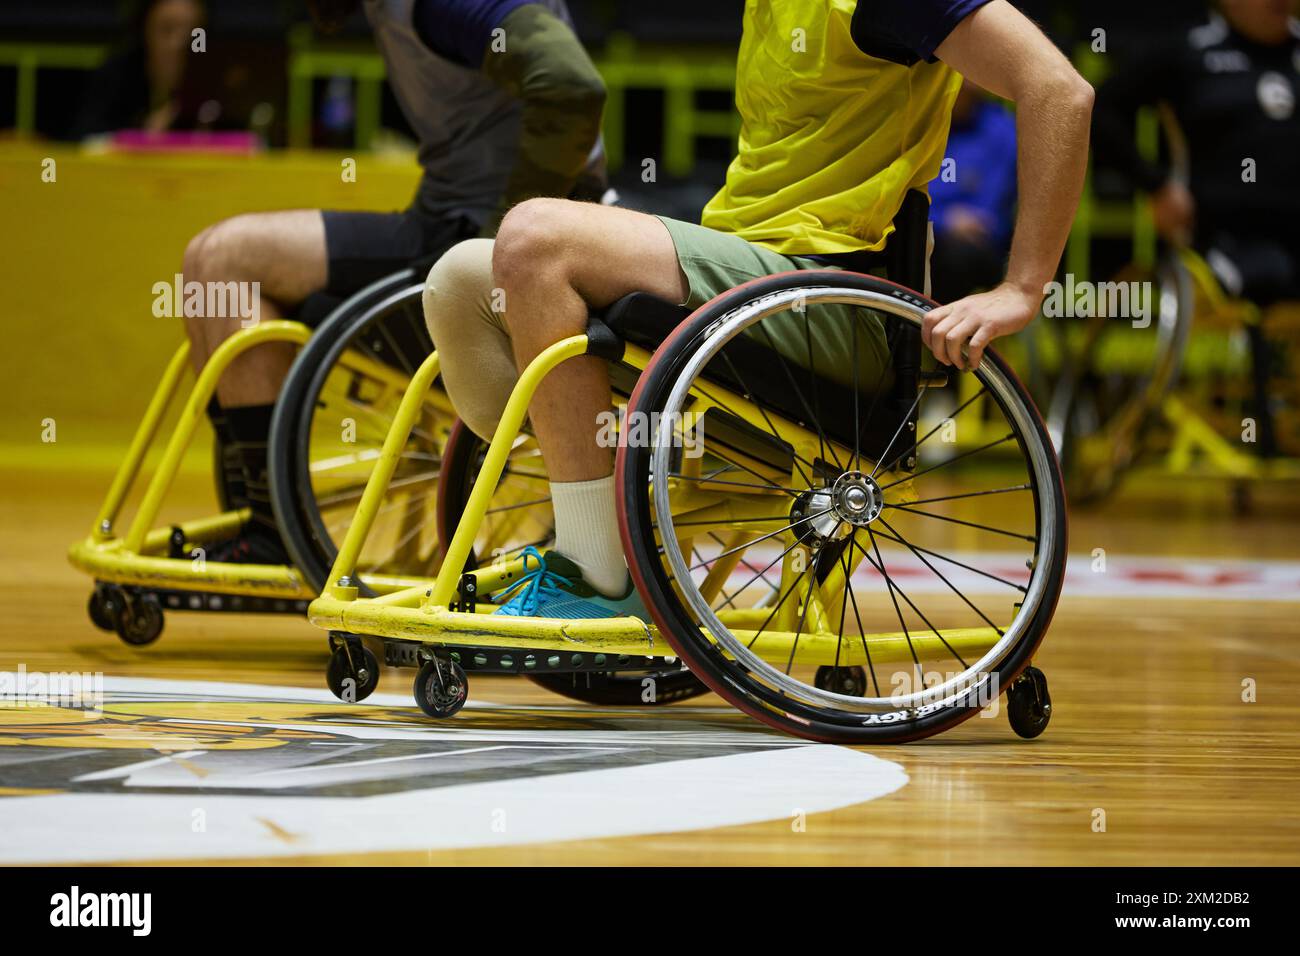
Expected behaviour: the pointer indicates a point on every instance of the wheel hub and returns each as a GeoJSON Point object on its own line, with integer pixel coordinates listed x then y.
{"type": "Point", "coordinates": [856, 499]}
{"type": "Point", "coordinates": [832, 512]}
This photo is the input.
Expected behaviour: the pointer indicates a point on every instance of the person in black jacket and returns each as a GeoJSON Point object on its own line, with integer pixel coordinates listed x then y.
{"type": "Point", "coordinates": [1232, 85]}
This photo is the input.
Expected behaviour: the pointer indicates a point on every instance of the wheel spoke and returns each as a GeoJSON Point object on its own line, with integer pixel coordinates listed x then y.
{"type": "Point", "coordinates": [943, 557]}
{"type": "Point", "coordinates": [969, 524]}
{"type": "Point", "coordinates": [970, 494]}
{"type": "Point", "coordinates": [817, 408]}
{"type": "Point", "coordinates": [770, 534]}
{"type": "Point", "coordinates": [749, 396]}
{"type": "Point", "coordinates": [910, 603]}
{"type": "Point", "coordinates": [898, 431]}
{"type": "Point", "coordinates": [735, 484]}
{"type": "Point", "coordinates": [821, 436]}
{"type": "Point", "coordinates": [862, 632]}
{"type": "Point", "coordinates": [952, 460]}
{"type": "Point", "coordinates": [890, 586]}
{"type": "Point", "coordinates": [955, 590]}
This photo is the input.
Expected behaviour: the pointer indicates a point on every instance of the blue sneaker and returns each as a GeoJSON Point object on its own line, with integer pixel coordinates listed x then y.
{"type": "Point", "coordinates": [552, 586]}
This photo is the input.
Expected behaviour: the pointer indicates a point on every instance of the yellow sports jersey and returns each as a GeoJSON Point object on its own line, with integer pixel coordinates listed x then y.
{"type": "Point", "coordinates": [833, 137]}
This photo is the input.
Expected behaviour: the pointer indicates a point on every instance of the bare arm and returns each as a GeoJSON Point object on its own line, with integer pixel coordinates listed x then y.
{"type": "Point", "coordinates": [997, 48]}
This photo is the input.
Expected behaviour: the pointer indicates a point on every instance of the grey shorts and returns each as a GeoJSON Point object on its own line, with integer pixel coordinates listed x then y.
{"type": "Point", "coordinates": [822, 338]}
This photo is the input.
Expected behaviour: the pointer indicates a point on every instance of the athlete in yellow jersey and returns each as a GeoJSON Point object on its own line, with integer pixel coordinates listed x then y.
{"type": "Point", "coordinates": [845, 107]}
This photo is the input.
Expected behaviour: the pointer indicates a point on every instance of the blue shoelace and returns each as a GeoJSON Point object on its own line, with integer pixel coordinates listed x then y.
{"type": "Point", "coordinates": [527, 593]}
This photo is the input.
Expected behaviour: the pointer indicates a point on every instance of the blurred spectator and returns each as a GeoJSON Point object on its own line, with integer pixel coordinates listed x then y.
{"type": "Point", "coordinates": [140, 87]}
{"type": "Point", "coordinates": [973, 208]}
{"type": "Point", "coordinates": [1230, 189]}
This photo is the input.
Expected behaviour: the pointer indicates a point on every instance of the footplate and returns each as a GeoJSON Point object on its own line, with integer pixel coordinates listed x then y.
{"type": "Point", "coordinates": [516, 660]}
{"type": "Point", "coordinates": [211, 602]}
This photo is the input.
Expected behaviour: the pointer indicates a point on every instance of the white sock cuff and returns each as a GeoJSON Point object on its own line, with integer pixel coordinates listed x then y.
{"type": "Point", "coordinates": [586, 531]}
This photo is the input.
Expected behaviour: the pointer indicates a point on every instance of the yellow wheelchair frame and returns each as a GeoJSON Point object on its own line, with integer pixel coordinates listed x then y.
{"type": "Point", "coordinates": [448, 614]}
{"type": "Point", "coordinates": [150, 569]}
{"type": "Point", "coordinates": [1196, 447]}
{"type": "Point", "coordinates": [1194, 438]}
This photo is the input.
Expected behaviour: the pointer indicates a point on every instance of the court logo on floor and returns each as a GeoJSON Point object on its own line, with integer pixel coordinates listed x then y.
{"type": "Point", "coordinates": [185, 770]}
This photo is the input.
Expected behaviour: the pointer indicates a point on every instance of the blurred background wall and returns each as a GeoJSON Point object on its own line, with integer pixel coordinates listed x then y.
{"type": "Point", "coordinates": [79, 255]}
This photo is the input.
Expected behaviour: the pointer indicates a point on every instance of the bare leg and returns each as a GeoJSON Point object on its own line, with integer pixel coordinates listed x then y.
{"type": "Point", "coordinates": [282, 251]}
{"type": "Point", "coordinates": [556, 260]}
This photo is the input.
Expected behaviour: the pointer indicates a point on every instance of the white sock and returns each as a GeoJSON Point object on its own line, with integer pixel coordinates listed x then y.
{"type": "Point", "coordinates": [586, 532]}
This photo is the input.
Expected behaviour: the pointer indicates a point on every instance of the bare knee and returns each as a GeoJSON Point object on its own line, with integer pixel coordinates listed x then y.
{"type": "Point", "coordinates": [196, 253]}
{"type": "Point", "coordinates": [217, 253]}
{"type": "Point", "coordinates": [530, 245]}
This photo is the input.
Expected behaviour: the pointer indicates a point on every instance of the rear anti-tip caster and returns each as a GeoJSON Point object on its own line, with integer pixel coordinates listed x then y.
{"type": "Point", "coordinates": [353, 672]}
{"type": "Point", "coordinates": [441, 688]}
{"type": "Point", "coordinates": [849, 681]}
{"type": "Point", "coordinates": [103, 607]}
{"type": "Point", "coordinates": [139, 618]}
{"type": "Point", "coordinates": [1029, 705]}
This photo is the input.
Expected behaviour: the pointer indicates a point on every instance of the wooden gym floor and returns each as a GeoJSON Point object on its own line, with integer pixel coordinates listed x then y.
{"type": "Point", "coordinates": [1150, 733]}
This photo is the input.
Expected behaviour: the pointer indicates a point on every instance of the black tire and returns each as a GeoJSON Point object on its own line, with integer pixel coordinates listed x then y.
{"type": "Point", "coordinates": [441, 688]}
{"type": "Point", "coordinates": [102, 610]}
{"type": "Point", "coordinates": [140, 620]}
{"type": "Point", "coordinates": [1029, 705]}
{"type": "Point", "coordinates": [624, 688]}
{"type": "Point", "coordinates": [461, 463]}
{"type": "Point", "coordinates": [811, 716]}
{"type": "Point", "coordinates": [353, 672]}
{"type": "Point", "coordinates": [384, 322]}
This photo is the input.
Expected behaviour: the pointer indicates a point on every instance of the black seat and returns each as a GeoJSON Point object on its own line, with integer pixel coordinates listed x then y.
{"type": "Point", "coordinates": [644, 319]}
{"type": "Point", "coordinates": [748, 366]}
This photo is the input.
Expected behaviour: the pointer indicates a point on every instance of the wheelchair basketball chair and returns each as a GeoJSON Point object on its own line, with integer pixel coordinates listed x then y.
{"type": "Point", "coordinates": [329, 421]}
{"type": "Point", "coordinates": [1105, 420]}
{"type": "Point", "coordinates": [823, 558]}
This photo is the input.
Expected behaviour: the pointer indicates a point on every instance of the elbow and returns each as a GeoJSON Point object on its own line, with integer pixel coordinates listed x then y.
{"type": "Point", "coordinates": [1077, 96]}
{"type": "Point", "coordinates": [1063, 93]}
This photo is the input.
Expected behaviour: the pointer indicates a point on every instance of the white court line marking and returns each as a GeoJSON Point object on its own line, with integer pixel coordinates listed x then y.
{"type": "Point", "coordinates": [336, 765]}
{"type": "Point", "coordinates": [131, 768]}
{"type": "Point", "coordinates": [773, 772]}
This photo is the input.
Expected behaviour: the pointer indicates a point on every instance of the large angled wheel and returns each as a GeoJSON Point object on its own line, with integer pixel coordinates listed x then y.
{"type": "Point", "coordinates": [520, 516]}
{"type": "Point", "coordinates": [840, 516]}
{"type": "Point", "coordinates": [330, 424]}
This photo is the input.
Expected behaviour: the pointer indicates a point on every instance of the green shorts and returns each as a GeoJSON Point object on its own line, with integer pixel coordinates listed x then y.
{"type": "Point", "coordinates": [714, 262]}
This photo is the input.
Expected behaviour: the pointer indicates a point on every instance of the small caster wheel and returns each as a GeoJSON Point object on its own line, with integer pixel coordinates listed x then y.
{"type": "Point", "coordinates": [1029, 706]}
{"type": "Point", "coordinates": [849, 681]}
{"type": "Point", "coordinates": [103, 607]}
{"type": "Point", "coordinates": [139, 619]}
{"type": "Point", "coordinates": [441, 688]}
{"type": "Point", "coordinates": [353, 672]}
